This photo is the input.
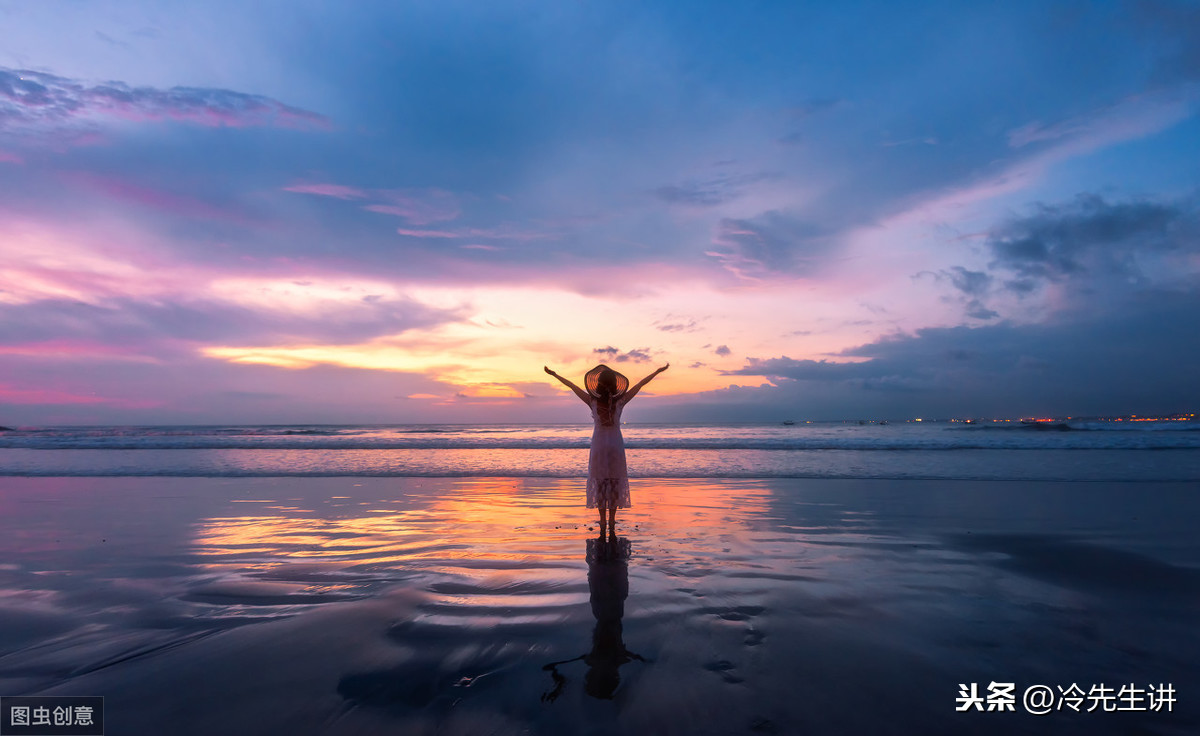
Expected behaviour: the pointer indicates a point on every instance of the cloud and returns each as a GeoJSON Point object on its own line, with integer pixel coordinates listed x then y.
{"type": "Point", "coordinates": [161, 200]}
{"type": "Point", "coordinates": [712, 191]}
{"type": "Point", "coordinates": [419, 207]}
{"type": "Point", "coordinates": [772, 244]}
{"type": "Point", "coordinates": [1087, 253]}
{"type": "Point", "coordinates": [37, 100]}
{"type": "Point", "coordinates": [973, 283]}
{"type": "Point", "coordinates": [722, 350]}
{"type": "Point", "coordinates": [337, 191]}
{"type": "Point", "coordinates": [14, 395]}
{"type": "Point", "coordinates": [1091, 236]}
{"type": "Point", "coordinates": [805, 370]}
{"type": "Point", "coordinates": [637, 355]}
{"type": "Point", "coordinates": [428, 233]}
{"type": "Point", "coordinates": [975, 309]}
{"type": "Point", "coordinates": [671, 323]}
{"type": "Point", "coordinates": [975, 286]}
{"type": "Point", "coordinates": [1140, 359]}
{"type": "Point", "coordinates": [500, 232]}
{"type": "Point", "coordinates": [157, 326]}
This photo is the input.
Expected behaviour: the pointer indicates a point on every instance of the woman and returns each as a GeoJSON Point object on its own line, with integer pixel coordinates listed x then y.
{"type": "Point", "coordinates": [608, 479]}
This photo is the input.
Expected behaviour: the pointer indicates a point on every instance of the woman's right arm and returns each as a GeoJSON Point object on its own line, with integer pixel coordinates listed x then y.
{"type": "Point", "coordinates": [638, 387]}
{"type": "Point", "coordinates": [583, 395]}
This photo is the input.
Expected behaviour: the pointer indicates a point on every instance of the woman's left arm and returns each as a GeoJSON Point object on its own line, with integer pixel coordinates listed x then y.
{"type": "Point", "coordinates": [638, 386]}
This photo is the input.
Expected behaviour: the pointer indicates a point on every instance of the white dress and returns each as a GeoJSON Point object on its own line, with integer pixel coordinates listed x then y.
{"type": "Point", "coordinates": [607, 472]}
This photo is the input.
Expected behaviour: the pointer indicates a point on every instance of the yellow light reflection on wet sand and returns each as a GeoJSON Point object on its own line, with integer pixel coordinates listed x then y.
{"type": "Point", "coordinates": [474, 520]}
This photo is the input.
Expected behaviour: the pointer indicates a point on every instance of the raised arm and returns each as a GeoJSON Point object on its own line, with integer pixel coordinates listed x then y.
{"type": "Point", "coordinates": [583, 395]}
{"type": "Point", "coordinates": [638, 386]}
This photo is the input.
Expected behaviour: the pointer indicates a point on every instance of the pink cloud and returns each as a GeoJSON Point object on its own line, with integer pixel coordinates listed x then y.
{"type": "Point", "coordinates": [47, 396]}
{"type": "Point", "coordinates": [10, 158]}
{"type": "Point", "coordinates": [65, 348]}
{"type": "Point", "coordinates": [157, 199]}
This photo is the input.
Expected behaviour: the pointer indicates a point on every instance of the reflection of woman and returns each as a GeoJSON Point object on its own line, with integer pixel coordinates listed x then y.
{"type": "Point", "coordinates": [608, 479]}
{"type": "Point", "coordinates": [608, 581]}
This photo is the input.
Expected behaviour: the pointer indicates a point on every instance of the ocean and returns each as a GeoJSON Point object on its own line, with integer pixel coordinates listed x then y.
{"type": "Point", "coordinates": [1082, 450]}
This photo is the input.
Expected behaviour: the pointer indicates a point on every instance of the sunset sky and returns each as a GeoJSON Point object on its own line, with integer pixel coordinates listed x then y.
{"type": "Point", "coordinates": [295, 212]}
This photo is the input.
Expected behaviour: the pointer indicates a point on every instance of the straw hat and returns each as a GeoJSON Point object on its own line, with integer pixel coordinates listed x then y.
{"type": "Point", "coordinates": [592, 380]}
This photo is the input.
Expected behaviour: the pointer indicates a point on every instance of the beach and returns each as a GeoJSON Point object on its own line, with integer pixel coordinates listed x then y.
{"type": "Point", "coordinates": [320, 325]}
{"type": "Point", "coordinates": [421, 605]}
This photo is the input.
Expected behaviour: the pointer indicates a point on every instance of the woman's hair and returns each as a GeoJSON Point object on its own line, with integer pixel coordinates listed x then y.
{"type": "Point", "coordinates": [604, 382]}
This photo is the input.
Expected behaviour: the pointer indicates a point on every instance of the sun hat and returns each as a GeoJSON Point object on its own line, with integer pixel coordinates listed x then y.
{"type": "Point", "coordinates": [592, 380]}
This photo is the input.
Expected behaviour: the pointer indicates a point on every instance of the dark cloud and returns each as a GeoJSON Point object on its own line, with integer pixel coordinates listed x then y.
{"type": "Point", "coordinates": [722, 350]}
{"type": "Point", "coordinates": [770, 244]}
{"type": "Point", "coordinates": [1089, 236]}
{"type": "Point", "coordinates": [1142, 359]}
{"type": "Point", "coordinates": [804, 370]}
{"type": "Point", "coordinates": [1096, 252]}
{"type": "Point", "coordinates": [36, 99]}
{"type": "Point", "coordinates": [973, 283]}
{"type": "Point", "coordinates": [976, 310]}
{"type": "Point", "coordinates": [637, 355]}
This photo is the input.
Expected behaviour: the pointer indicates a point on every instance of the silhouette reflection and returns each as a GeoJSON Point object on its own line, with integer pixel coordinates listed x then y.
{"type": "Point", "coordinates": [608, 582]}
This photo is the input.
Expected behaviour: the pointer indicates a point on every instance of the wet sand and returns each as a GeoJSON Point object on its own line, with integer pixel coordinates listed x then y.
{"type": "Point", "coordinates": [448, 606]}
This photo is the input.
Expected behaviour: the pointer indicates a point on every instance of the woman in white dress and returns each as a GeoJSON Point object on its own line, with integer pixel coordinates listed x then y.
{"type": "Point", "coordinates": [608, 479]}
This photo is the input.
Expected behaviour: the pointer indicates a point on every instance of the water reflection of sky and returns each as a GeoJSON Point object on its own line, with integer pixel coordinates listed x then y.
{"type": "Point", "coordinates": [1095, 464]}
{"type": "Point", "coordinates": [416, 602]}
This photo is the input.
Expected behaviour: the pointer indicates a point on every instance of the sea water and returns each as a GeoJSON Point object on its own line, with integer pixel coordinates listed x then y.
{"type": "Point", "coordinates": [1087, 450]}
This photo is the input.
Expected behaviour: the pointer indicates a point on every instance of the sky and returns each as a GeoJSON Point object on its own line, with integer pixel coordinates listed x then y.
{"type": "Point", "coordinates": [394, 212]}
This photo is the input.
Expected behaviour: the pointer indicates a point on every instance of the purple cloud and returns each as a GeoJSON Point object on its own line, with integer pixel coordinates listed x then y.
{"type": "Point", "coordinates": [30, 99]}
{"type": "Point", "coordinates": [156, 326]}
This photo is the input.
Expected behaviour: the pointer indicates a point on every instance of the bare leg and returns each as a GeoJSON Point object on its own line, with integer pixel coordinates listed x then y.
{"type": "Point", "coordinates": [612, 520]}
{"type": "Point", "coordinates": [601, 519]}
